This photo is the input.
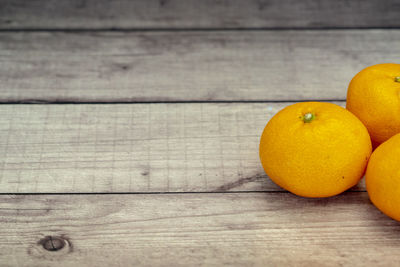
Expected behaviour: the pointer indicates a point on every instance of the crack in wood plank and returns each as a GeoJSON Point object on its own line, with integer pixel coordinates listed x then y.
{"type": "Point", "coordinates": [240, 182]}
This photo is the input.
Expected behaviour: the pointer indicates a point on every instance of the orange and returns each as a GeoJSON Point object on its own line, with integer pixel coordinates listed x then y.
{"type": "Point", "coordinates": [374, 97]}
{"type": "Point", "coordinates": [315, 149]}
{"type": "Point", "coordinates": [383, 177]}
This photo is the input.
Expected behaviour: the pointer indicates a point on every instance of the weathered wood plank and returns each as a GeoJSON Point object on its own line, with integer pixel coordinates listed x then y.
{"type": "Point", "coordinates": [183, 14]}
{"type": "Point", "coordinates": [185, 66]}
{"type": "Point", "coordinates": [133, 147]}
{"type": "Point", "coordinates": [240, 229]}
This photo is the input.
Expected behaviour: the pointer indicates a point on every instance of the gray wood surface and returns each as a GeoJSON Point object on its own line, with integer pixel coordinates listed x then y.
{"type": "Point", "coordinates": [177, 184]}
{"type": "Point", "coordinates": [133, 148]}
{"type": "Point", "coordinates": [247, 229]}
{"type": "Point", "coordinates": [185, 66]}
{"type": "Point", "coordinates": [183, 14]}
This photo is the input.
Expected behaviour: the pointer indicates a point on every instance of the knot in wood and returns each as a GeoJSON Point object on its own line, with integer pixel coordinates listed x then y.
{"type": "Point", "coordinates": [53, 243]}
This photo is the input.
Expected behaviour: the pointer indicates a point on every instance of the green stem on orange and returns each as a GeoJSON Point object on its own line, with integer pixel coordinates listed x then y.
{"type": "Point", "coordinates": [308, 117]}
{"type": "Point", "coordinates": [397, 79]}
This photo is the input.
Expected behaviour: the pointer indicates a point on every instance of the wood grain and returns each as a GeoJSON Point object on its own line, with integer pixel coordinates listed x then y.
{"type": "Point", "coordinates": [188, 66]}
{"type": "Point", "coordinates": [240, 229]}
{"type": "Point", "coordinates": [183, 14]}
{"type": "Point", "coordinates": [133, 148]}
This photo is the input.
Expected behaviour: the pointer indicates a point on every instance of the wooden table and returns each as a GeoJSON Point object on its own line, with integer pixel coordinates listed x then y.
{"type": "Point", "coordinates": [129, 131]}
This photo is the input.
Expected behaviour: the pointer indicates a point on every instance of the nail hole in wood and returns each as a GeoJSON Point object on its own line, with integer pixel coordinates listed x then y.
{"type": "Point", "coordinates": [53, 243]}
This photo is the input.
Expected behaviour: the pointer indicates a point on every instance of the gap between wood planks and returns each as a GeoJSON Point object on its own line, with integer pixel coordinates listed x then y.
{"type": "Point", "coordinates": [166, 193]}
{"type": "Point", "coordinates": [112, 29]}
{"type": "Point", "coordinates": [40, 102]}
